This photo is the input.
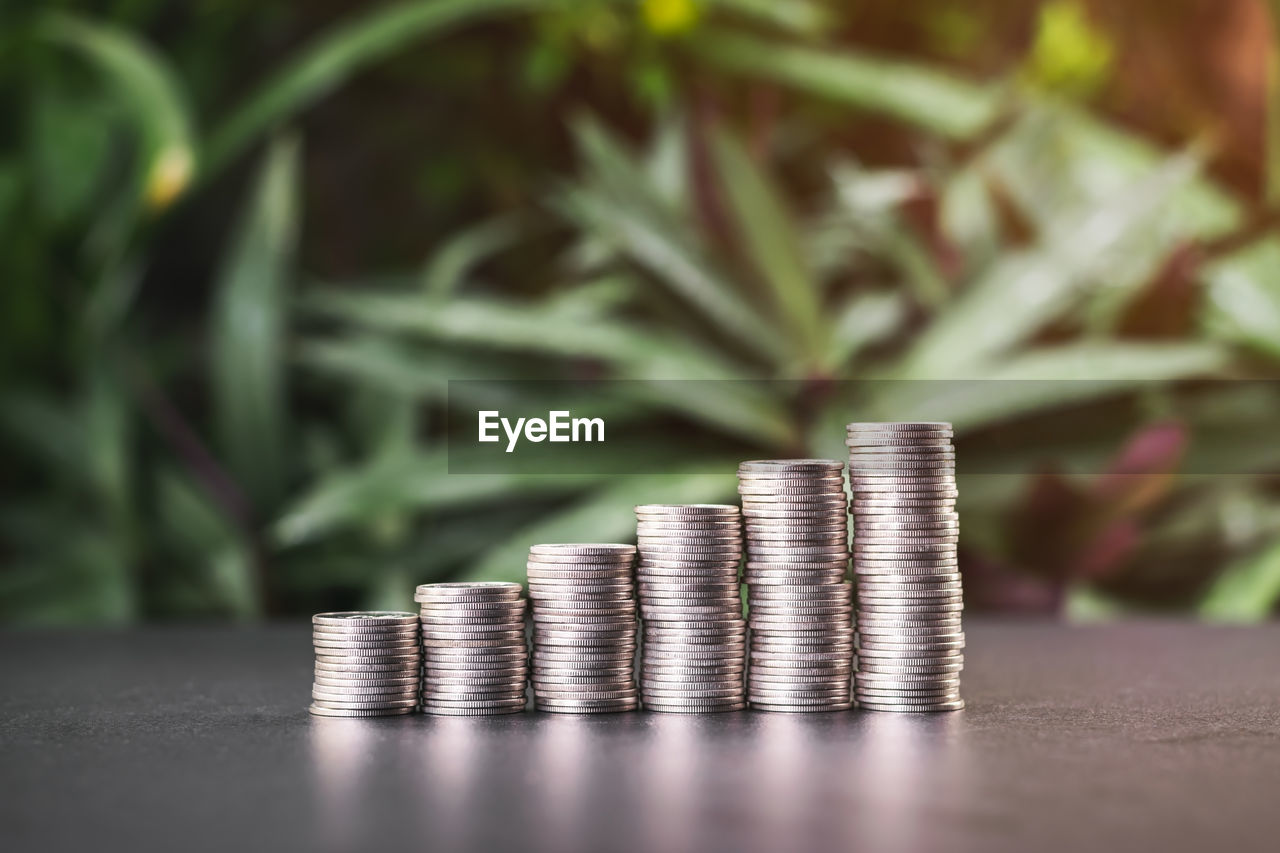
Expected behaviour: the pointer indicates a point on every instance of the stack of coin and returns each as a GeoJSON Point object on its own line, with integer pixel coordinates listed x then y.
{"type": "Point", "coordinates": [905, 527]}
{"type": "Point", "coordinates": [474, 658]}
{"type": "Point", "coordinates": [366, 664]}
{"type": "Point", "coordinates": [694, 652]}
{"type": "Point", "coordinates": [800, 604]}
{"type": "Point", "coordinates": [584, 628]}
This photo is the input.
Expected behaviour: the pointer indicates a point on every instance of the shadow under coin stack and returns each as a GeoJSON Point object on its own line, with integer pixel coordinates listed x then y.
{"type": "Point", "coordinates": [905, 528]}
{"type": "Point", "coordinates": [474, 658]}
{"type": "Point", "coordinates": [800, 604]}
{"type": "Point", "coordinates": [584, 628]}
{"type": "Point", "coordinates": [366, 664]}
{"type": "Point", "coordinates": [694, 651]}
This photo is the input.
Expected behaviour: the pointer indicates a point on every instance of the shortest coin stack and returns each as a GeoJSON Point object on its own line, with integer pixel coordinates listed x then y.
{"type": "Point", "coordinates": [584, 628]}
{"type": "Point", "coordinates": [474, 658]}
{"type": "Point", "coordinates": [366, 664]}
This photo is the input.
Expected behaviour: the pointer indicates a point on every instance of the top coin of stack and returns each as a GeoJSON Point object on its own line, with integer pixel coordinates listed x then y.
{"type": "Point", "coordinates": [695, 638]}
{"type": "Point", "coordinates": [584, 628]}
{"type": "Point", "coordinates": [905, 529]}
{"type": "Point", "coordinates": [474, 657]}
{"type": "Point", "coordinates": [800, 604]}
{"type": "Point", "coordinates": [366, 664]}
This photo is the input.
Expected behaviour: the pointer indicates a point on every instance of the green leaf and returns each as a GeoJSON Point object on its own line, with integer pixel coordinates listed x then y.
{"type": "Point", "coordinates": [69, 145]}
{"type": "Point", "coordinates": [621, 204]}
{"type": "Point", "coordinates": [667, 255]}
{"type": "Point", "coordinates": [249, 326]}
{"type": "Point", "coordinates": [869, 200]}
{"type": "Point", "coordinates": [571, 330]}
{"type": "Point", "coordinates": [208, 545]}
{"type": "Point", "coordinates": [796, 16]}
{"type": "Point", "coordinates": [1023, 291]}
{"type": "Point", "coordinates": [153, 92]}
{"type": "Point", "coordinates": [934, 101]}
{"type": "Point", "coordinates": [607, 515]}
{"type": "Point", "coordinates": [396, 485]}
{"type": "Point", "coordinates": [1243, 297]}
{"type": "Point", "coordinates": [452, 263]}
{"type": "Point", "coordinates": [1246, 591]}
{"type": "Point", "coordinates": [1090, 604]}
{"type": "Point", "coordinates": [339, 53]}
{"type": "Point", "coordinates": [766, 234]}
{"type": "Point", "coordinates": [866, 320]}
{"type": "Point", "coordinates": [1045, 379]}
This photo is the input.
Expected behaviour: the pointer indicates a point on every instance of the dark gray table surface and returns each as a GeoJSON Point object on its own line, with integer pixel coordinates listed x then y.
{"type": "Point", "coordinates": [1128, 737]}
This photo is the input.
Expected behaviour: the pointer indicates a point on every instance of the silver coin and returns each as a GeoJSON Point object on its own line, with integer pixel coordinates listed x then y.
{"type": "Point", "coordinates": [342, 697]}
{"type": "Point", "coordinates": [775, 708]}
{"type": "Point", "coordinates": [321, 711]}
{"type": "Point", "coordinates": [473, 704]}
{"type": "Point", "coordinates": [715, 573]}
{"type": "Point", "coordinates": [448, 687]}
{"type": "Point", "coordinates": [360, 631]}
{"type": "Point", "coordinates": [471, 712]}
{"type": "Point", "coordinates": [546, 573]}
{"type": "Point", "coordinates": [363, 617]}
{"type": "Point", "coordinates": [651, 565]}
{"type": "Point", "coordinates": [375, 669]}
{"type": "Point", "coordinates": [689, 585]}
{"type": "Point", "coordinates": [820, 515]}
{"type": "Point", "coordinates": [795, 477]}
{"type": "Point", "coordinates": [541, 591]}
{"type": "Point", "coordinates": [829, 577]}
{"type": "Point", "coordinates": [878, 693]}
{"type": "Point", "coordinates": [363, 643]}
{"type": "Point", "coordinates": [359, 640]}
{"type": "Point", "coordinates": [898, 427]}
{"type": "Point", "coordinates": [889, 619]}
{"type": "Point", "coordinates": [579, 562]}
{"type": "Point", "coordinates": [765, 488]}
{"type": "Point", "coordinates": [711, 631]}
{"type": "Point", "coordinates": [323, 680]}
{"type": "Point", "coordinates": [716, 510]}
{"type": "Point", "coordinates": [911, 647]}
{"type": "Point", "coordinates": [789, 465]}
{"type": "Point", "coordinates": [334, 705]}
{"type": "Point", "coordinates": [585, 706]}
{"type": "Point", "coordinates": [912, 570]}
{"type": "Point", "coordinates": [909, 585]}
{"type": "Point", "coordinates": [796, 697]}
{"type": "Point", "coordinates": [468, 592]}
{"type": "Point", "coordinates": [920, 666]}
{"type": "Point", "coordinates": [432, 637]}
{"type": "Point", "coordinates": [694, 708]}
{"type": "Point", "coordinates": [955, 705]}
{"type": "Point", "coordinates": [909, 529]}
{"type": "Point", "coordinates": [728, 678]}
{"type": "Point", "coordinates": [584, 549]}
{"type": "Point", "coordinates": [836, 541]}
{"type": "Point", "coordinates": [548, 639]}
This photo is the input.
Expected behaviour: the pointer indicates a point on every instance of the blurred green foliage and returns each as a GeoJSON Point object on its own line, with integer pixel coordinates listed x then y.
{"type": "Point", "coordinates": [289, 456]}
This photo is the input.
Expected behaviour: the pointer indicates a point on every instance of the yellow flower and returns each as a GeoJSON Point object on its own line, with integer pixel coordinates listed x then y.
{"type": "Point", "coordinates": [1070, 54]}
{"type": "Point", "coordinates": [670, 17]}
{"type": "Point", "coordinates": [170, 174]}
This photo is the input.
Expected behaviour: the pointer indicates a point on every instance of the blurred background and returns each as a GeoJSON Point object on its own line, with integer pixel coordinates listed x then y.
{"type": "Point", "coordinates": [244, 245]}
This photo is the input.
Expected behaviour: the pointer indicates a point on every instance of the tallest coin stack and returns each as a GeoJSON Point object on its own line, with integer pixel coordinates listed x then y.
{"type": "Point", "coordinates": [910, 640]}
